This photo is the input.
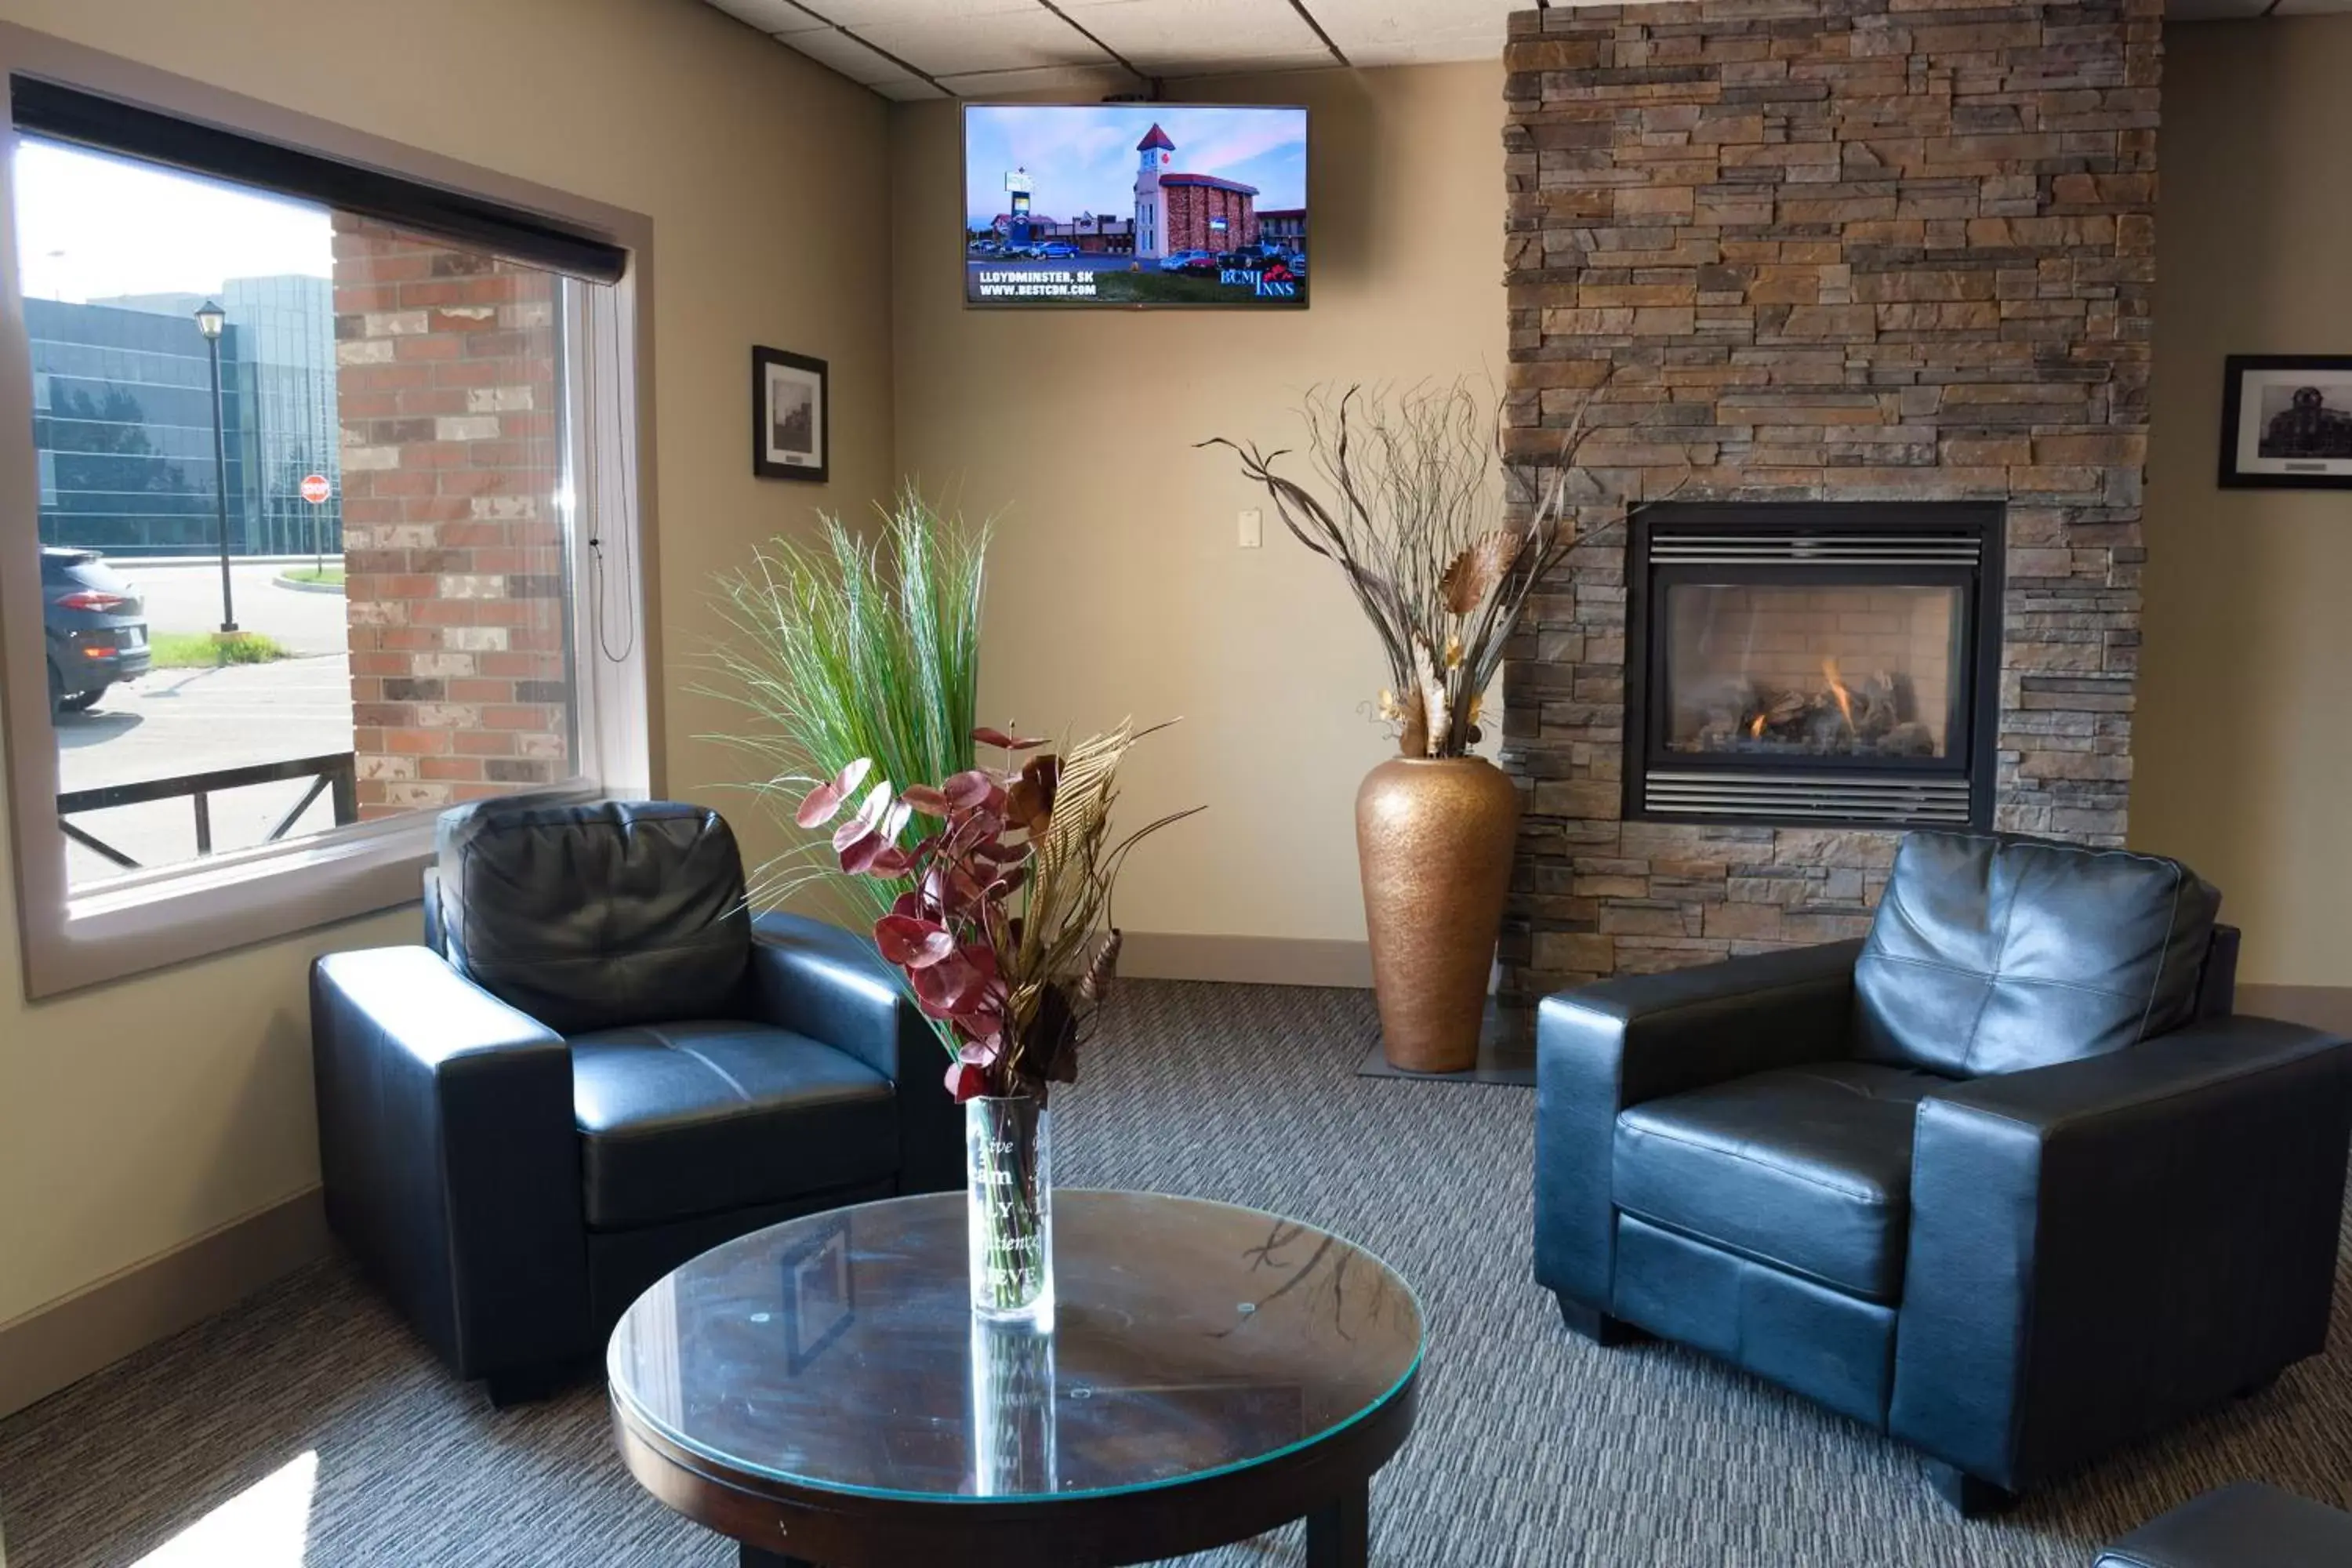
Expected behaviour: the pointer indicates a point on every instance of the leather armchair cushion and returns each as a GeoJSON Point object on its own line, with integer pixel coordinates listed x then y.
{"type": "Point", "coordinates": [594, 917]}
{"type": "Point", "coordinates": [2248, 1525]}
{"type": "Point", "coordinates": [1996, 954]}
{"type": "Point", "coordinates": [1808, 1169]}
{"type": "Point", "coordinates": [685, 1119]}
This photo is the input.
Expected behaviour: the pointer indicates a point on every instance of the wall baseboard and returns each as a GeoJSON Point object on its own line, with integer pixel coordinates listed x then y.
{"type": "Point", "coordinates": [2319, 1007]}
{"type": "Point", "coordinates": [98, 1325]}
{"type": "Point", "coordinates": [1246, 959]}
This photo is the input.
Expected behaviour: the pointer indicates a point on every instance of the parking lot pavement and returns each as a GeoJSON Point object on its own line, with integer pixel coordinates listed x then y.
{"type": "Point", "coordinates": [186, 597]}
{"type": "Point", "coordinates": [177, 721]}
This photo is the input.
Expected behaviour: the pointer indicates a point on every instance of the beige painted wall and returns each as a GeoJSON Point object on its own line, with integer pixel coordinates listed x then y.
{"type": "Point", "coordinates": [2243, 749]}
{"type": "Point", "coordinates": [1117, 586]}
{"type": "Point", "coordinates": [137, 1116]}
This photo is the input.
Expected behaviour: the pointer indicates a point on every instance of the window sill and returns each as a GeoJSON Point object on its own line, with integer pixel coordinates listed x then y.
{"type": "Point", "coordinates": [127, 925]}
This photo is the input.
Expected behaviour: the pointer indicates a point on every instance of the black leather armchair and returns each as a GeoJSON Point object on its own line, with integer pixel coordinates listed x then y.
{"type": "Point", "coordinates": [598, 1066]}
{"type": "Point", "coordinates": [2008, 1180]}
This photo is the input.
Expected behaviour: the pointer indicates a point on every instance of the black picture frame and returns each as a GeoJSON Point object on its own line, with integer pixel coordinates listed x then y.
{"type": "Point", "coordinates": [778, 452]}
{"type": "Point", "coordinates": [820, 1294]}
{"type": "Point", "coordinates": [2330, 375]}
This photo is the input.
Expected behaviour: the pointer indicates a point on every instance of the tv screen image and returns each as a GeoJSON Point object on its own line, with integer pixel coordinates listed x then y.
{"type": "Point", "coordinates": [1069, 205]}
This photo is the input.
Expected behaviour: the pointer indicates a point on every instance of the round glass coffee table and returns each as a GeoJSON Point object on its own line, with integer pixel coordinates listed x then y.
{"type": "Point", "coordinates": [821, 1392]}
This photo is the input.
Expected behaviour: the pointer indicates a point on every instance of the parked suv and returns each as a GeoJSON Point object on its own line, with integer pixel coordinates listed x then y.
{"type": "Point", "coordinates": [95, 626]}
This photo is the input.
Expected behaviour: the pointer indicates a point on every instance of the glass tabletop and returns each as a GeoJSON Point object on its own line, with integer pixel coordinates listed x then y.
{"type": "Point", "coordinates": [839, 1351]}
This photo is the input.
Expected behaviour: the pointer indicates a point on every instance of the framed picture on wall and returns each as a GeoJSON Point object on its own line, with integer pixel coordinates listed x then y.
{"type": "Point", "coordinates": [2286, 421]}
{"type": "Point", "coordinates": [791, 424]}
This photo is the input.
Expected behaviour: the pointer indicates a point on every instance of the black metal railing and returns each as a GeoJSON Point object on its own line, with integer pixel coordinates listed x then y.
{"type": "Point", "coordinates": [333, 773]}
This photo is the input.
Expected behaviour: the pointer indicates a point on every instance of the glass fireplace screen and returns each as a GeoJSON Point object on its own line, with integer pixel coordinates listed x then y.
{"type": "Point", "coordinates": [1850, 671]}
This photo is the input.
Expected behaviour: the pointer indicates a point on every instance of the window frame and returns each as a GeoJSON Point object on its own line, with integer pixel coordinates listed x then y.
{"type": "Point", "coordinates": [173, 914]}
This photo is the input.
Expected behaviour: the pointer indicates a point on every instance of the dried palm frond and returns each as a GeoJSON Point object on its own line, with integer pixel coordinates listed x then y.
{"type": "Point", "coordinates": [1480, 568]}
{"type": "Point", "coordinates": [1072, 867]}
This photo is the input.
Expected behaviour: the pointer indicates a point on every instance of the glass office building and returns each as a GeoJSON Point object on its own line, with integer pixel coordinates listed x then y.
{"type": "Point", "coordinates": [286, 342]}
{"type": "Point", "coordinates": [123, 421]}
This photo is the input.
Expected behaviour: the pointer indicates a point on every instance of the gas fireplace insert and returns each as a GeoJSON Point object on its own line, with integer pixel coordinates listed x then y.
{"type": "Point", "coordinates": [1812, 662]}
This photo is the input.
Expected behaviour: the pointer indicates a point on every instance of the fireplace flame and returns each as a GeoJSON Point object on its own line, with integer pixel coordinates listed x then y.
{"type": "Point", "coordinates": [1838, 690]}
{"type": "Point", "coordinates": [1756, 729]}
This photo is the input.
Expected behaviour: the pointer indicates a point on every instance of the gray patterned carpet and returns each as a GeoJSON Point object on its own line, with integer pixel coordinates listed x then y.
{"type": "Point", "coordinates": [1533, 1449]}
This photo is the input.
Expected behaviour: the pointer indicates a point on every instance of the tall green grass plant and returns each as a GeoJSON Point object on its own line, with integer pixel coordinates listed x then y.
{"type": "Point", "coordinates": [847, 647]}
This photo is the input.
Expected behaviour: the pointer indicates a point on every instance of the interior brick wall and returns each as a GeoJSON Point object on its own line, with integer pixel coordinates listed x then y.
{"type": "Point", "coordinates": [1831, 250]}
{"type": "Point", "coordinates": [446, 379]}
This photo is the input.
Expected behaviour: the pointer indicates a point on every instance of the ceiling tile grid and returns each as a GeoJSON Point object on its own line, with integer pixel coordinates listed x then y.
{"type": "Point", "coordinates": [842, 52]}
{"type": "Point", "coordinates": [1186, 37]}
{"type": "Point", "coordinates": [1084, 49]}
{"type": "Point", "coordinates": [950, 44]}
{"type": "Point", "coordinates": [979, 47]}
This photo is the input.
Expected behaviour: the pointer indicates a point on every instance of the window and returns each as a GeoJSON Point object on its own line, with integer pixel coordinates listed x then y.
{"type": "Point", "coordinates": [317, 488]}
{"type": "Point", "coordinates": [378, 518]}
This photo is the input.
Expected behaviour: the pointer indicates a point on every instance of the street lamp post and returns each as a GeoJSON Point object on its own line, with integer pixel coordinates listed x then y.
{"type": "Point", "coordinates": [210, 319]}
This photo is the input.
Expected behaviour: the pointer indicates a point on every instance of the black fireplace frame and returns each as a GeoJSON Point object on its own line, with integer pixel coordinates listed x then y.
{"type": "Point", "coordinates": [1844, 534]}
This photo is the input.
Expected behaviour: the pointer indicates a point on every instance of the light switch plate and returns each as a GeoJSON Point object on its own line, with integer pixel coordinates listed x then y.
{"type": "Point", "coordinates": [1252, 529]}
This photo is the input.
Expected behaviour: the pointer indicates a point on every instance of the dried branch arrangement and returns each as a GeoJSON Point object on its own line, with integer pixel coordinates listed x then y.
{"type": "Point", "coordinates": [1439, 538]}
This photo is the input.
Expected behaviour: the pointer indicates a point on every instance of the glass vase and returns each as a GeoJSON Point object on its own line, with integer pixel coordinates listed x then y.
{"type": "Point", "coordinates": [1013, 1414]}
{"type": "Point", "coordinates": [1008, 1169]}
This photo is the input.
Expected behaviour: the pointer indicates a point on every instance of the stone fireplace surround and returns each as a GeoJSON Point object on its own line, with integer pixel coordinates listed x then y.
{"type": "Point", "coordinates": [1822, 250]}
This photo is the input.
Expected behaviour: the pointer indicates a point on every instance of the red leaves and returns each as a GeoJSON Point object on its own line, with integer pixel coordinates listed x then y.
{"type": "Point", "coordinates": [970, 790]}
{"type": "Point", "coordinates": [942, 931]}
{"type": "Point", "coordinates": [869, 842]}
{"type": "Point", "coordinates": [925, 799]}
{"type": "Point", "coordinates": [819, 804]}
{"type": "Point", "coordinates": [912, 942]}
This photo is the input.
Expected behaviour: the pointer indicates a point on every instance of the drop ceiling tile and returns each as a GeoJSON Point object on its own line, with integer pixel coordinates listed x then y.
{"type": "Point", "coordinates": [1415, 32]}
{"type": "Point", "coordinates": [845, 55]}
{"type": "Point", "coordinates": [1076, 82]}
{"type": "Point", "coordinates": [907, 89]}
{"type": "Point", "coordinates": [769, 16]}
{"type": "Point", "coordinates": [1185, 37]}
{"type": "Point", "coordinates": [860, 14]}
{"type": "Point", "coordinates": [1017, 40]}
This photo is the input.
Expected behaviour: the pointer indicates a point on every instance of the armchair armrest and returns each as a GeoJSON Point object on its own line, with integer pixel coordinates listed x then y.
{"type": "Point", "coordinates": [1604, 1047]}
{"type": "Point", "coordinates": [450, 1156]}
{"type": "Point", "coordinates": [2099, 1248]}
{"type": "Point", "coordinates": [830, 984]}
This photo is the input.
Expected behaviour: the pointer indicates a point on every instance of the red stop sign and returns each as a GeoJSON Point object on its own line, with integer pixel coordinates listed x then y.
{"type": "Point", "coordinates": [315, 488]}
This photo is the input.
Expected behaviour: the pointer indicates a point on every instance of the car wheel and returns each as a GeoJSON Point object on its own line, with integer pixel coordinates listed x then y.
{"type": "Point", "coordinates": [80, 701]}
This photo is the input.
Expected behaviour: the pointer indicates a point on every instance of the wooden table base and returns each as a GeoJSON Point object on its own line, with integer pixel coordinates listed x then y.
{"type": "Point", "coordinates": [1339, 1536]}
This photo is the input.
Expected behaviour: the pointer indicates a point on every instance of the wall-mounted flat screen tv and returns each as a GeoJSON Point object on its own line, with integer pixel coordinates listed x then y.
{"type": "Point", "coordinates": [1067, 205]}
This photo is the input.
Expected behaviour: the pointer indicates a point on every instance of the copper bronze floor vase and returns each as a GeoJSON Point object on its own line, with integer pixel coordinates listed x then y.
{"type": "Point", "coordinates": [1434, 836]}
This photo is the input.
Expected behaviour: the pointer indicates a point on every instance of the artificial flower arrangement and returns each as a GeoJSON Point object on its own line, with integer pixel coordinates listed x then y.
{"type": "Point", "coordinates": [1003, 933]}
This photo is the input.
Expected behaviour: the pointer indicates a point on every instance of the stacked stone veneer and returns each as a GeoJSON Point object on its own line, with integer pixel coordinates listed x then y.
{"type": "Point", "coordinates": [1823, 250]}
{"type": "Point", "coordinates": [445, 386]}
